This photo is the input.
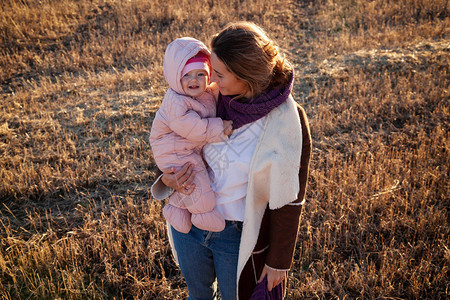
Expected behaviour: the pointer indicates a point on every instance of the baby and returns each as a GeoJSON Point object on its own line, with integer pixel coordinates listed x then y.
{"type": "Point", "coordinates": [184, 123]}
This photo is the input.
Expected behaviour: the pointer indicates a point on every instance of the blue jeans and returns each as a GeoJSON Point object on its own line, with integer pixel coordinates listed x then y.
{"type": "Point", "coordinates": [205, 255]}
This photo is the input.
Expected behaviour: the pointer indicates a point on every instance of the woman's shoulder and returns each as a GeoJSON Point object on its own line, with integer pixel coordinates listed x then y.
{"type": "Point", "coordinates": [287, 107]}
{"type": "Point", "coordinates": [290, 105]}
{"type": "Point", "coordinates": [286, 120]}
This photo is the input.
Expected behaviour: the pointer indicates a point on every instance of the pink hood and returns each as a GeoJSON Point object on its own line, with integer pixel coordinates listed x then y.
{"type": "Point", "coordinates": [177, 54]}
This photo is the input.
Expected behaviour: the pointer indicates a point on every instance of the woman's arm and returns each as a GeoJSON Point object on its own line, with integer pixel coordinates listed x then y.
{"type": "Point", "coordinates": [284, 222]}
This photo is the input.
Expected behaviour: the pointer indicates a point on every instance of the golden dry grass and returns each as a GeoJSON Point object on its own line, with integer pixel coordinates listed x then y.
{"type": "Point", "coordinates": [81, 81]}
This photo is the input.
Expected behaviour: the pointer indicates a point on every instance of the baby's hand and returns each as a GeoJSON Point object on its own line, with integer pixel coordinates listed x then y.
{"type": "Point", "coordinates": [227, 127]}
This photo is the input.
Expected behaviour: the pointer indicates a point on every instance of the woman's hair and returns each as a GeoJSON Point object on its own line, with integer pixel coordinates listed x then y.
{"type": "Point", "coordinates": [252, 56]}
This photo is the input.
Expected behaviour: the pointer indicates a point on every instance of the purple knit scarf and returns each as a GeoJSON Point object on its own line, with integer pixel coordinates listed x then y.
{"type": "Point", "coordinates": [242, 113]}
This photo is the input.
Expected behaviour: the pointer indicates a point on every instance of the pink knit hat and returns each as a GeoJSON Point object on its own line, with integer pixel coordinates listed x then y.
{"type": "Point", "coordinates": [199, 61]}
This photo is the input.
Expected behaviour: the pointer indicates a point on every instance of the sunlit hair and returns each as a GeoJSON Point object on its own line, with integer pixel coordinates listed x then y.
{"type": "Point", "coordinates": [252, 56]}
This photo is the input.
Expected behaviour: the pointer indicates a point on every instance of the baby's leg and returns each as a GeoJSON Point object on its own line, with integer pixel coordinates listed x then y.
{"type": "Point", "coordinates": [203, 207]}
{"type": "Point", "coordinates": [178, 217]}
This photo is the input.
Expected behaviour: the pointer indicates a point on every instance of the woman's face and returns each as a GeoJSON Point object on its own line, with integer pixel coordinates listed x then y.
{"type": "Point", "coordinates": [228, 83]}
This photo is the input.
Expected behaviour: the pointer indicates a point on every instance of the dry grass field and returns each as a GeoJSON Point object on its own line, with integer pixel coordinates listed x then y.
{"type": "Point", "coordinates": [82, 79]}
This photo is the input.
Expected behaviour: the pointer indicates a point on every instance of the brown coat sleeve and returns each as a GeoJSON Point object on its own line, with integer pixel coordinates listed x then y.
{"type": "Point", "coordinates": [284, 222]}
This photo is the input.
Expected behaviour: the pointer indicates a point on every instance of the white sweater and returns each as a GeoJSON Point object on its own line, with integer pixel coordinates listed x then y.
{"type": "Point", "coordinates": [229, 165]}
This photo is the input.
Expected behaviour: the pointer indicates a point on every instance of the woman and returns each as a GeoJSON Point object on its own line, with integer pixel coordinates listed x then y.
{"type": "Point", "coordinates": [259, 175]}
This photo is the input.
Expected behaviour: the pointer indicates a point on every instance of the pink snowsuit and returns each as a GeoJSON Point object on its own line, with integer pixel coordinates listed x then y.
{"type": "Point", "coordinates": [182, 126]}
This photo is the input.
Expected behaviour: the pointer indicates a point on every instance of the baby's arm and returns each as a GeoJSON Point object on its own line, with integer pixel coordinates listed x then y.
{"type": "Point", "coordinates": [213, 89]}
{"type": "Point", "coordinates": [190, 125]}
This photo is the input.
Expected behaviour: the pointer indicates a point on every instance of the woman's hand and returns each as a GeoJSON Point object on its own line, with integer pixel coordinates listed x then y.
{"type": "Point", "coordinates": [181, 181]}
{"type": "Point", "coordinates": [274, 277]}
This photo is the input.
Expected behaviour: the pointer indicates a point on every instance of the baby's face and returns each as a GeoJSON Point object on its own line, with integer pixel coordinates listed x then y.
{"type": "Point", "coordinates": [194, 82]}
